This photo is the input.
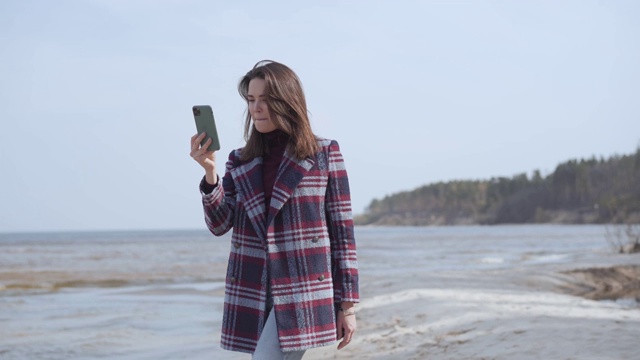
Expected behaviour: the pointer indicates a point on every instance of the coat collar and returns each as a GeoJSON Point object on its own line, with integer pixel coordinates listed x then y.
{"type": "Point", "coordinates": [290, 173]}
{"type": "Point", "coordinates": [249, 184]}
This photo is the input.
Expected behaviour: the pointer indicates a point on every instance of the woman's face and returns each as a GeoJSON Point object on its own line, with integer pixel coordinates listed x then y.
{"type": "Point", "coordinates": [258, 107]}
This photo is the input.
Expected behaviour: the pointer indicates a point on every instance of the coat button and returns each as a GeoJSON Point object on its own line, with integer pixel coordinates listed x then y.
{"type": "Point", "coordinates": [236, 245]}
{"type": "Point", "coordinates": [315, 239]}
{"type": "Point", "coordinates": [232, 280]}
{"type": "Point", "coordinates": [321, 278]}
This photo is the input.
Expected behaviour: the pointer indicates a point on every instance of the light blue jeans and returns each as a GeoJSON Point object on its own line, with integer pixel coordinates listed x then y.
{"type": "Point", "coordinates": [269, 346]}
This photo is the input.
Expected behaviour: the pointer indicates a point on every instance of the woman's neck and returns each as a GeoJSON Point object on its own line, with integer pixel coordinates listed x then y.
{"type": "Point", "coordinates": [276, 138]}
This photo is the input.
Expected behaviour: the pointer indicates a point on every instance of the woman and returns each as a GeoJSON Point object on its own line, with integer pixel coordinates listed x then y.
{"type": "Point", "coordinates": [292, 277]}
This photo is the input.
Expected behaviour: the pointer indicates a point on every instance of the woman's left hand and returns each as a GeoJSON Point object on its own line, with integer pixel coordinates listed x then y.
{"type": "Point", "coordinates": [346, 324]}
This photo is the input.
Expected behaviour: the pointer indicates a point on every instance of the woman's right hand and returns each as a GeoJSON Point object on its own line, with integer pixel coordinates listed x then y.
{"type": "Point", "coordinates": [206, 159]}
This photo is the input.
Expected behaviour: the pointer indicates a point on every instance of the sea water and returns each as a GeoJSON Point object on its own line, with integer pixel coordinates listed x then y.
{"type": "Point", "coordinates": [159, 294]}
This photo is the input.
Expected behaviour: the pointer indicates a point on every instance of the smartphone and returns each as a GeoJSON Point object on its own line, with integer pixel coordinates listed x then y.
{"type": "Point", "coordinates": [206, 124]}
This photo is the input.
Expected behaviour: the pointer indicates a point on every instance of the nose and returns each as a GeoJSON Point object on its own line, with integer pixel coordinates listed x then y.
{"type": "Point", "coordinates": [256, 106]}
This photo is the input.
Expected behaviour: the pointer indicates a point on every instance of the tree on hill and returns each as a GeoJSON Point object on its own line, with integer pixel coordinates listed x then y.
{"type": "Point", "coordinates": [578, 191]}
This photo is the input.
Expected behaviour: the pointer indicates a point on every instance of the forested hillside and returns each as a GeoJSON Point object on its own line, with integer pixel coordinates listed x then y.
{"type": "Point", "coordinates": [578, 191]}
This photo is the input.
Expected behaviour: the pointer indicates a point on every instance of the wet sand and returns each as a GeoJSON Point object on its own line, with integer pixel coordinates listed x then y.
{"type": "Point", "coordinates": [547, 311]}
{"type": "Point", "coordinates": [606, 283]}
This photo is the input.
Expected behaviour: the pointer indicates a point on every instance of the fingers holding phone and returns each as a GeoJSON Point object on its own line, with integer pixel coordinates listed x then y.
{"type": "Point", "coordinates": [206, 159]}
{"type": "Point", "coordinates": [199, 152]}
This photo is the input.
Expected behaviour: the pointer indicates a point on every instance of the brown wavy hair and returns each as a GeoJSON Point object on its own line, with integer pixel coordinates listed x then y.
{"type": "Point", "coordinates": [287, 109]}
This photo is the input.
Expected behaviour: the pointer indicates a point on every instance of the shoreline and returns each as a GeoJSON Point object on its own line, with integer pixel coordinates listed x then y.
{"type": "Point", "coordinates": [606, 283]}
{"type": "Point", "coordinates": [531, 312]}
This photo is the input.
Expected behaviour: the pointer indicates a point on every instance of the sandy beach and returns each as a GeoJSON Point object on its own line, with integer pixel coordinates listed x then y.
{"type": "Point", "coordinates": [533, 312]}
{"type": "Point", "coordinates": [519, 292]}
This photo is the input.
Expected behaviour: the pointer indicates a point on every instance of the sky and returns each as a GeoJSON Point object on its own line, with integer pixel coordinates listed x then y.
{"type": "Point", "coordinates": [96, 95]}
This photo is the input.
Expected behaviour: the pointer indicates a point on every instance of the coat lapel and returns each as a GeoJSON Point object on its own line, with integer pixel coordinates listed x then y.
{"type": "Point", "coordinates": [248, 180]}
{"type": "Point", "coordinates": [290, 173]}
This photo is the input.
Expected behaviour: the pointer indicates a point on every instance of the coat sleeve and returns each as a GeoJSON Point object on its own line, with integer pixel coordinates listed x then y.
{"type": "Point", "coordinates": [340, 225]}
{"type": "Point", "coordinates": [219, 205]}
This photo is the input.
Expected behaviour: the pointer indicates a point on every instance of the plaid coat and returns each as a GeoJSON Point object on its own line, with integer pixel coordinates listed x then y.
{"type": "Point", "coordinates": [305, 237]}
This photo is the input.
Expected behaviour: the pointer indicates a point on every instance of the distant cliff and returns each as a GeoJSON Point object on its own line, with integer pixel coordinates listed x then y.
{"type": "Point", "coordinates": [578, 191]}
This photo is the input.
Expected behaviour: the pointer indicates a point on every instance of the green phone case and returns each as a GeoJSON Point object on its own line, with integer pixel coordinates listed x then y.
{"type": "Point", "coordinates": [205, 123]}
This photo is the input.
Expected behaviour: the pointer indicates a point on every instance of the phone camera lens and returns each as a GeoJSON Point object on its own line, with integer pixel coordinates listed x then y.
{"type": "Point", "coordinates": [196, 112]}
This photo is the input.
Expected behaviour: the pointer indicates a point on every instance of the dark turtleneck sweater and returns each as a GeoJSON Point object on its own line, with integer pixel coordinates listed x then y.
{"type": "Point", "coordinates": [277, 141]}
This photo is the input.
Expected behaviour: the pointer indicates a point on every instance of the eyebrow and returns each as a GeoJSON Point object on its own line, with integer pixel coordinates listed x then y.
{"type": "Point", "coordinates": [261, 95]}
